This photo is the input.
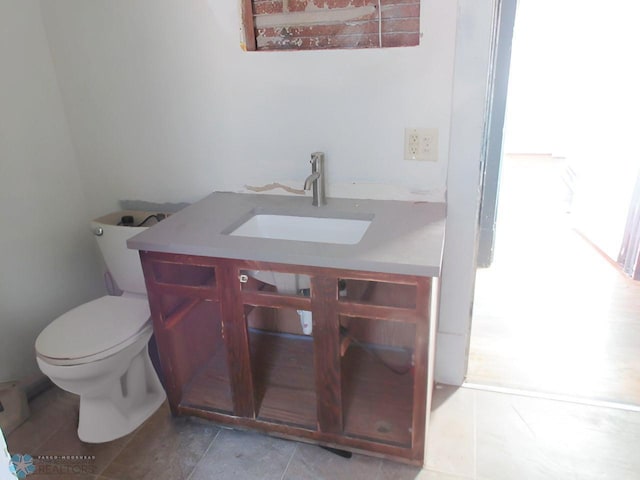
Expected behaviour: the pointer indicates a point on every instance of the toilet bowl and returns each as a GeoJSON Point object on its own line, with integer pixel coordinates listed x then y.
{"type": "Point", "coordinates": [99, 350]}
{"type": "Point", "coordinates": [106, 363]}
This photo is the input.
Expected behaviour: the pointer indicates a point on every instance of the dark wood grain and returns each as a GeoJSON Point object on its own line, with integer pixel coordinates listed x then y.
{"type": "Point", "coordinates": [236, 338]}
{"type": "Point", "coordinates": [392, 278]}
{"type": "Point", "coordinates": [210, 387]}
{"type": "Point", "coordinates": [326, 349]}
{"type": "Point", "coordinates": [421, 367]}
{"type": "Point", "coordinates": [378, 402]}
{"type": "Point", "coordinates": [163, 340]}
{"type": "Point", "coordinates": [380, 293]}
{"type": "Point", "coordinates": [283, 374]}
{"type": "Point", "coordinates": [293, 385]}
{"type": "Point", "coordinates": [203, 292]}
{"type": "Point", "coordinates": [392, 314]}
{"type": "Point", "coordinates": [186, 336]}
{"type": "Point", "coordinates": [270, 299]}
{"type": "Point", "coordinates": [189, 275]}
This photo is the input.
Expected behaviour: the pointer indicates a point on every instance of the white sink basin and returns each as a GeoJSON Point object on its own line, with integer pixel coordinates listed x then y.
{"type": "Point", "coordinates": [343, 231]}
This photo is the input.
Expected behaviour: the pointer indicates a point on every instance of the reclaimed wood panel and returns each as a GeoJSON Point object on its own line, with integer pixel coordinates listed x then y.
{"type": "Point", "coordinates": [329, 24]}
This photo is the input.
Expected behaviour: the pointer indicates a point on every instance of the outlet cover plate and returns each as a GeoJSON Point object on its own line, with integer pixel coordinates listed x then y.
{"type": "Point", "coordinates": [421, 144]}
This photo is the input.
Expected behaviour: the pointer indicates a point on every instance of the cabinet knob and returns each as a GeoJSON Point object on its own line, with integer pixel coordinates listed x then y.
{"type": "Point", "coordinates": [243, 278]}
{"type": "Point", "coordinates": [98, 231]}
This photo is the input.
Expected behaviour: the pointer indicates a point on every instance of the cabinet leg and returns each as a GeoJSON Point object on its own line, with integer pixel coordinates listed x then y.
{"type": "Point", "coordinates": [326, 352]}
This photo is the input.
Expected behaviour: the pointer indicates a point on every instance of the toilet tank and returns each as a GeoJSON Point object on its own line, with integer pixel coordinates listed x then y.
{"type": "Point", "coordinates": [123, 263]}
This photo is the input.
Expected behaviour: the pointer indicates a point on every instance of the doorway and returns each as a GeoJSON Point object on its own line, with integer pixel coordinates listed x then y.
{"type": "Point", "coordinates": [554, 313]}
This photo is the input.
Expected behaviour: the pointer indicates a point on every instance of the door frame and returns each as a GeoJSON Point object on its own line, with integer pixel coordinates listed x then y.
{"type": "Point", "coordinates": [490, 183]}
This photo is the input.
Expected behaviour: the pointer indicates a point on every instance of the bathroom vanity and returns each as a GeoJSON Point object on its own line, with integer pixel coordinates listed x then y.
{"type": "Point", "coordinates": [226, 304]}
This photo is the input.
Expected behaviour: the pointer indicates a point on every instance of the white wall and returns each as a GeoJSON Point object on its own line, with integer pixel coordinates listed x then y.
{"type": "Point", "coordinates": [468, 123]}
{"type": "Point", "coordinates": [164, 106]}
{"type": "Point", "coordinates": [47, 256]}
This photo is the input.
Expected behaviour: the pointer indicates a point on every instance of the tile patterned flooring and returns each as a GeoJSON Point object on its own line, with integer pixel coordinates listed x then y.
{"type": "Point", "coordinates": [474, 434]}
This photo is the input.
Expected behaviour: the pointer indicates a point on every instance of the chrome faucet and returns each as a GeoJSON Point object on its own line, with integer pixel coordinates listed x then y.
{"type": "Point", "coordinates": [316, 179]}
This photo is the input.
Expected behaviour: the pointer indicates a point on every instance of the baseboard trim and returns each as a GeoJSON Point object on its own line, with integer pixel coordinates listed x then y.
{"type": "Point", "coordinates": [34, 385]}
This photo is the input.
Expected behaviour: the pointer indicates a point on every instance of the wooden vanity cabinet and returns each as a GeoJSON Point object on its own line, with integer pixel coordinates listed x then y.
{"type": "Point", "coordinates": [231, 351]}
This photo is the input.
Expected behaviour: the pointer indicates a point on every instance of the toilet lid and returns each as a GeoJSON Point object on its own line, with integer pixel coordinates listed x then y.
{"type": "Point", "coordinates": [93, 327]}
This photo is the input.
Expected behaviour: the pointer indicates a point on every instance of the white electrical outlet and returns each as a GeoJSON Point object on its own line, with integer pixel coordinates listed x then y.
{"type": "Point", "coordinates": [421, 144]}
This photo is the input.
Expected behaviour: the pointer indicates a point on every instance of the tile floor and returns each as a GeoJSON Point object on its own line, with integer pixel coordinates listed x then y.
{"type": "Point", "coordinates": [474, 434]}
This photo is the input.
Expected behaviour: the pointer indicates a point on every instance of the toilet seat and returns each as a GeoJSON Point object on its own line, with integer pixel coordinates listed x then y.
{"type": "Point", "coordinates": [94, 330]}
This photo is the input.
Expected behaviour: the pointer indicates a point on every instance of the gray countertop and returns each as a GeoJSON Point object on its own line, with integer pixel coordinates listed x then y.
{"type": "Point", "coordinates": [403, 238]}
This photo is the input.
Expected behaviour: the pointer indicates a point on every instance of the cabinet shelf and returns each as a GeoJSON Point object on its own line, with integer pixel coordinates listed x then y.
{"type": "Point", "coordinates": [284, 388]}
{"type": "Point", "coordinates": [377, 402]}
{"type": "Point", "coordinates": [284, 380]}
{"type": "Point", "coordinates": [232, 350]}
{"type": "Point", "coordinates": [210, 388]}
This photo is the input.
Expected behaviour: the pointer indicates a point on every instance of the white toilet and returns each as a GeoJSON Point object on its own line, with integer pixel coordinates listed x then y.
{"type": "Point", "coordinates": [99, 349]}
